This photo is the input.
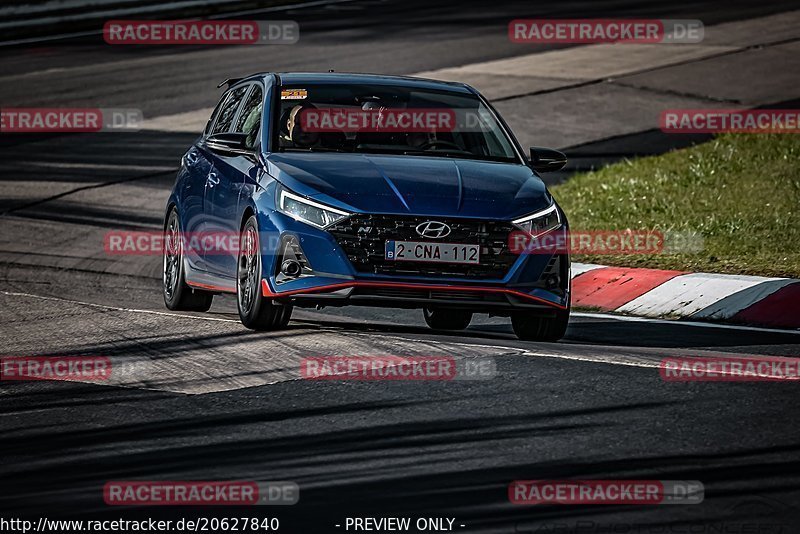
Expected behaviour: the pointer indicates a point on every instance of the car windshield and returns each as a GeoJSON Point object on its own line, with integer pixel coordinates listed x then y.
{"type": "Point", "coordinates": [363, 118]}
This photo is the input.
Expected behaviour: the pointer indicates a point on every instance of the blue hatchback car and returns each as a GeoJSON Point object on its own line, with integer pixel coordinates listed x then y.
{"type": "Point", "coordinates": [353, 189]}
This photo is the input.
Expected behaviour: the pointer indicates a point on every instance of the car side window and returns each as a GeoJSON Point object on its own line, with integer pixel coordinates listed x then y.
{"type": "Point", "coordinates": [249, 121]}
{"type": "Point", "coordinates": [228, 111]}
{"type": "Point", "coordinates": [207, 130]}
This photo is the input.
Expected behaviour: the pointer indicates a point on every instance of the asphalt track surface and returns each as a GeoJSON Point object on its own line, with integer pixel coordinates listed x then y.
{"type": "Point", "coordinates": [197, 397]}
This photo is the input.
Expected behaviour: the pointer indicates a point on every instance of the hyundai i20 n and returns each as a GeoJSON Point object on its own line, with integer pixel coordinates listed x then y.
{"type": "Point", "coordinates": [346, 189]}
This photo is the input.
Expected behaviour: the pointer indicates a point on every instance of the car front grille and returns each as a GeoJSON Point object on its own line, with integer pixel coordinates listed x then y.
{"type": "Point", "coordinates": [363, 238]}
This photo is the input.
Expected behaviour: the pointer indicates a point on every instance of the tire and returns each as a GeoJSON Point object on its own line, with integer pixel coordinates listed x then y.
{"type": "Point", "coordinates": [447, 319]}
{"type": "Point", "coordinates": [529, 327]}
{"type": "Point", "coordinates": [255, 311]}
{"type": "Point", "coordinates": [178, 296]}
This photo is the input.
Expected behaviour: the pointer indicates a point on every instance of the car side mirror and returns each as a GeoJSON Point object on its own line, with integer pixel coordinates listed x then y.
{"type": "Point", "coordinates": [547, 159]}
{"type": "Point", "coordinates": [229, 143]}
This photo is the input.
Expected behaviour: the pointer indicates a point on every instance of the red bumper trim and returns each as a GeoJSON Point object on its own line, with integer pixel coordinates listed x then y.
{"type": "Point", "coordinates": [209, 287]}
{"type": "Point", "coordinates": [267, 291]}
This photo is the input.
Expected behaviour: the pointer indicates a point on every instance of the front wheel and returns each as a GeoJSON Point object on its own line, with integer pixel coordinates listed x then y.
{"type": "Point", "coordinates": [255, 311]}
{"type": "Point", "coordinates": [178, 296]}
{"type": "Point", "coordinates": [531, 327]}
{"type": "Point", "coordinates": [447, 319]}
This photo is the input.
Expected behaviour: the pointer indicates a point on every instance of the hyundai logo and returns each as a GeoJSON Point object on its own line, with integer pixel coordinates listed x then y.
{"type": "Point", "coordinates": [433, 229]}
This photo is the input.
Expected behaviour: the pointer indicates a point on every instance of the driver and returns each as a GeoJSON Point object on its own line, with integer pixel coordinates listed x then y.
{"type": "Point", "coordinates": [294, 131]}
{"type": "Point", "coordinates": [293, 134]}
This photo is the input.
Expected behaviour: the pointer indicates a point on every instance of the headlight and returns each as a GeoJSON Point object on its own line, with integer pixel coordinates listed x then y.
{"type": "Point", "coordinates": [540, 222]}
{"type": "Point", "coordinates": [308, 211]}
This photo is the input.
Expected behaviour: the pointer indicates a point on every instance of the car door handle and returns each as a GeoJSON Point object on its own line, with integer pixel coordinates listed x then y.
{"type": "Point", "coordinates": [213, 179]}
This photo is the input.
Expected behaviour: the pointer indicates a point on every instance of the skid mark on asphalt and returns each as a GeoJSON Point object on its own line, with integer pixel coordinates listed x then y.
{"type": "Point", "coordinates": [190, 354]}
{"type": "Point", "coordinates": [85, 188]}
{"type": "Point", "coordinates": [195, 354]}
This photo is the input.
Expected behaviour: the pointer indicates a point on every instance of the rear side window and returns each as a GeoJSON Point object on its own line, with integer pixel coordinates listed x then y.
{"type": "Point", "coordinates": [228, 111]}
{"type": "Point", "coordinates": [214, 114]}
{"type": "Point", "coordinates": [249, 120]}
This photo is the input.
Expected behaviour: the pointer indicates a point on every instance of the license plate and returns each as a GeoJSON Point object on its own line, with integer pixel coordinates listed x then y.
{"type": "Point", "coordinates": [432, 252]}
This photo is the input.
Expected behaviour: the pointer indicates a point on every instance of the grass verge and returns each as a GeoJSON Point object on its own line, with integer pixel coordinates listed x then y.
{"type": "Point", "coordinates": [740, 192]}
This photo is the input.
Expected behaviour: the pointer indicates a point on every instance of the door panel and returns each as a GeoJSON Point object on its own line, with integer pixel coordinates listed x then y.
{"type": "Point", "coordinates": [222, 189]}
{"type": "Point", "coordinates": [221, 194]}
{"type": "Point", "coordinates": [227, 178]}
{"type": "Point", "coordinates": [197, 166]}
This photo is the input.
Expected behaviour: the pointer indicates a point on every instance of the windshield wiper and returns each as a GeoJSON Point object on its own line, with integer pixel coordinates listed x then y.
{"type": "Point", "coordinates": [313, 149]}
{"type": "Point", "coordinates": [462, 155]}
{"type": "Point", "coordinates": [379, 150]}
{"type": "Point", "coordinates": [406, 152]}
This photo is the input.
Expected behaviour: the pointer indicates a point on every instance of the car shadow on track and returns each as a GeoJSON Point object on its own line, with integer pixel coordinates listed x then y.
{"type": "Point", "coordinates": [601, 331]}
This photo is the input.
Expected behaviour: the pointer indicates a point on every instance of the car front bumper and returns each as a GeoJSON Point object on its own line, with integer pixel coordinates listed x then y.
{"type": "Point", "coordinates": [346, 267]}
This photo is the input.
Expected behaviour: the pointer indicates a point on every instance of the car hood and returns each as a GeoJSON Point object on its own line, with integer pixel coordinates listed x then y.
{"type": "Point", "coordinates": [419, 185]}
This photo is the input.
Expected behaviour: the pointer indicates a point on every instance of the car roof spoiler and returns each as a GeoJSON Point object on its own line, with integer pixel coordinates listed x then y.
{"type": "Point", "coordinates": [229, 82]}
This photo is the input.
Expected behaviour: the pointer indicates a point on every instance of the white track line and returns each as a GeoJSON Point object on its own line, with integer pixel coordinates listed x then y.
{"type": "Point", "coordinates": [598, 359]}
{"type": "Point", "coordinates": [575, 314]}
{"type": "Point", "coordinates": [520, 350]}
{"type": "Point", "coordinates": [117, 308]}
{"type": "Point", "coordinates": [682, 323]}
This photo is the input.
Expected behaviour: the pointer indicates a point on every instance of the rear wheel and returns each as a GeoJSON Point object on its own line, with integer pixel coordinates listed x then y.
{"type": "Point", "coordinates": [255, 311]}
{"type": "Point", "coordinates": [178, 295]}
{"type": "Point", "coordinates": [447, 319]}
{"type": "Point", "coordinates": [530, 327]}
